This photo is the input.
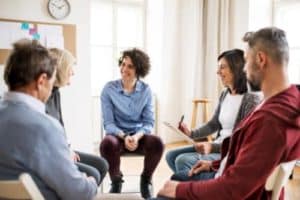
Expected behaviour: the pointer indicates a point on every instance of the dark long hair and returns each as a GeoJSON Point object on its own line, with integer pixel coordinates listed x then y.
{"type": "Point", "coordinates": [236, 62]}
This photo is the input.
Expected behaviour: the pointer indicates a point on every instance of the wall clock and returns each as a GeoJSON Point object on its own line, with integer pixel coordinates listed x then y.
{"type": "Point", "coordinates": [59, 9]}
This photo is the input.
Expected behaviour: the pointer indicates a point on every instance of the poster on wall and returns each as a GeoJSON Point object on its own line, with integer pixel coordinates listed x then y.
{"type": "Point", "coordinates": [51, 35]}
{"type": "Point", "coordinates": [3, 87]}
{"type": "Point", "coordinates": [48, 35]}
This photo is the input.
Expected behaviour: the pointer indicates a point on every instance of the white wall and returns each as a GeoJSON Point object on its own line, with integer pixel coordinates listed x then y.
{"type": "Point", "coordinates": [76, 99]}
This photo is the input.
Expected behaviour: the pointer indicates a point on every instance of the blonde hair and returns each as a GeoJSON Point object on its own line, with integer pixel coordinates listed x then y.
{"type": "Point", "coordinates": [65, 61]}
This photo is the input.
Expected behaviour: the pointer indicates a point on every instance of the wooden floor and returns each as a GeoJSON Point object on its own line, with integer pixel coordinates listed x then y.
{"type": "Point", "coordinates": [133, 165]}
{"type": "Point", "coordinates": [293, 187]}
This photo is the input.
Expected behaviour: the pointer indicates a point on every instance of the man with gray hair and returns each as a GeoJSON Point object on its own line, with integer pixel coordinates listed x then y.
{"type": "Point", "coordinates": [30, 140]}
{"type": "Point", "coordinates": [265, 138]}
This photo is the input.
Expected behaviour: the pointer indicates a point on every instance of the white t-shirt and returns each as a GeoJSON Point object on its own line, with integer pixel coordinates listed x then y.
{"type": "Point", "coordinates": [228, 114]}
{"type": "Point", "coordinates": [222, 167]}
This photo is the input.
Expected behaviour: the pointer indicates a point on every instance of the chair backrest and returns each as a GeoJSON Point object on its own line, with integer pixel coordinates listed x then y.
{"type": "Point", "coordinates": [279, 177]}
{"type": "Point", "coordinates": [23, 188]}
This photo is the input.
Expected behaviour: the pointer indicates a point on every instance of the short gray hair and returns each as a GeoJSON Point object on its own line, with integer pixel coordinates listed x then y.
{"type": "Point", "coordinates": [26, 62]}
{"type": "Point", "coordinates": [272, 41]}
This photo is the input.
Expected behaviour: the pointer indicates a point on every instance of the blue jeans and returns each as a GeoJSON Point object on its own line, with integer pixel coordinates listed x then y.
{"type": "Point", "coordinates": [184, 158]}
{"type": "Point", "coordinates": [160, 198]}
{"type": "Point", "coordinates": [183, 176]}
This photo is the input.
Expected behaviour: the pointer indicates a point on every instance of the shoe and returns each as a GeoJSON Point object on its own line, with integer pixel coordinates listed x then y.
{"type": "Point", "coordinates": [116, 185]}
{"type": "Point", "coordinates": [146, 187]}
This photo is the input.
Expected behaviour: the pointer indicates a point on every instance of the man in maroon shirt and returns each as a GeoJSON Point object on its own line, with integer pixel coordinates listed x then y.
{"type": "Point", "coordinates": [267, 137]}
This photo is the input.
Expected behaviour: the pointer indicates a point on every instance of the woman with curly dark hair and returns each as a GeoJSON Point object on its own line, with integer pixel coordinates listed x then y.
{"type": "Point", "coordinates": [128, 120]}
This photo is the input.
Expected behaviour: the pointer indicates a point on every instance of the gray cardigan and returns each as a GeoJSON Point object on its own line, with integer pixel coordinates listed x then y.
{"type": "Point", "coordinates": [249, 101]}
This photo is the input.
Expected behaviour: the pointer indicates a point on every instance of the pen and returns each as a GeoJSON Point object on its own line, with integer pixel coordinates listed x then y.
{"type": "Point", "coordinates": [181, 119]}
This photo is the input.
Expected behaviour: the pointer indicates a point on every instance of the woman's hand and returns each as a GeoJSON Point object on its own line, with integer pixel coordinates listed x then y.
{"type": "Point", "coordinates": [203, 147]}
{"type": "Point", "coordinates": [183, 127]}
{"type": "Point", "coordinates": [200, 166]}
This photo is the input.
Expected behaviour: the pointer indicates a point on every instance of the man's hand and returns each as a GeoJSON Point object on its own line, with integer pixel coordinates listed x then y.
{"type": "Point", "coordinates": [74, 156]}
{"type": "Point", "coordinates": [203, 147]}
{"type": "Point", "coordinates": [183, 127]}
{"type": "Point", "coordinates": [169, 189]}
{"type": "Point", "coordinates": [200, 166]}
{"type": "Point", "coordinates": [91, 178]}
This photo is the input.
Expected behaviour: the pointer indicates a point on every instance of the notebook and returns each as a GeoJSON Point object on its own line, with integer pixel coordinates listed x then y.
{"type": "Point", "coordinates": [175, 129]}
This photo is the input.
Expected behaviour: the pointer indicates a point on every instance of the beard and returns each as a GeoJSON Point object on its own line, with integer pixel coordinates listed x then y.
{"type": "Point", "coordinates": [253, 87]}
{"type": "Point", "coordinates": [254, 79]}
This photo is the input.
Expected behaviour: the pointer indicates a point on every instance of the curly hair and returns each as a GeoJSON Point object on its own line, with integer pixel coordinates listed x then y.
{"type": "Point", "coordinates": [139, 59]}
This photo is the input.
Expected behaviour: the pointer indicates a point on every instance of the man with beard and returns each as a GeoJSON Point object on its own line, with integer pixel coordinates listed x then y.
{"type": "Point", "coordinates": [267, 137]}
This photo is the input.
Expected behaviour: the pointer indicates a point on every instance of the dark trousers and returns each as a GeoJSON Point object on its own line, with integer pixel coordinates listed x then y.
{"type": "Point", "coordinates": [94, 166]}
{"type": "Point", "coordinates": [150, 146]}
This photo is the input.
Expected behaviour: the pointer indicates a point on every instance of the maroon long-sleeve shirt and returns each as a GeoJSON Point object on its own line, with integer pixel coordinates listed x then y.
{"type": "Point", "coordinates": [265, 138]}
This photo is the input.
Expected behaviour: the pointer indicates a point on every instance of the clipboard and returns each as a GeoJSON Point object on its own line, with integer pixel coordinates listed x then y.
{"type": "Point", "coordinates": [175, 129]}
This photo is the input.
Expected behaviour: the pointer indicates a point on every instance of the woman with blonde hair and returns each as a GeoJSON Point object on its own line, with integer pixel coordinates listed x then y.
{"type": "Point", "coordinates": [87, 163]}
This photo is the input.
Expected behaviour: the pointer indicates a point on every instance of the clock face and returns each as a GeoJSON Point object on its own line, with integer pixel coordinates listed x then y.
{"type": "Point", "coordinates": [59, 9]}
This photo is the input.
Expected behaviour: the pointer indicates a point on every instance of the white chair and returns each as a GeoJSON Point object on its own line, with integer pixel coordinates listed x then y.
{"type": "Point", "coordinates": [279, 177]}
{"type": "Point", "coordinates": [122, 196]}
{"type": "Point", "coordinates": [23, 188]}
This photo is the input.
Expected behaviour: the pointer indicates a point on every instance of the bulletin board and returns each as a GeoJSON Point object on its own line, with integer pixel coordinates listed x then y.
{"type": "Point", "coordinates": [68, 35]}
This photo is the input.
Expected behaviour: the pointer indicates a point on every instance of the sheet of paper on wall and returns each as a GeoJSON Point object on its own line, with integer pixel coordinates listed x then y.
{"type": "Point", "coordinates": [51, 35]}
{"type": "Point", "coordinates": [3, 87]}
{"type": "Point", "coordinates": [5, 39]}
{"type": "Point", "coordinates": [19, 34]}
{"type": "Point", "coordinates": [10, 33]}
{"type": "Point", "coordinates": [55, 42]}
{"type": "Point", "coordinates": [14, 31]}
{"type": "Point", "coordinates": [176, 130]}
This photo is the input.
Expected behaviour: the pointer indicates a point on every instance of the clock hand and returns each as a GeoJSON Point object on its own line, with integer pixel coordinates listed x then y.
{"type": "Point", "coordinates": [54, 5]}
{"type": "Point", "coordinates": [60, 7]}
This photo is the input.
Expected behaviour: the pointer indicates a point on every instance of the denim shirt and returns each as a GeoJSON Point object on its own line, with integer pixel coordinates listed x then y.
{"type": "Point", "coordinates": [127, 112]}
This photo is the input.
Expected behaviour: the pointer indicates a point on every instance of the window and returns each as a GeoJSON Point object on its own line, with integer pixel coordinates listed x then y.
{"type": "Point", "coordinates": [286, 16]}
{"type": "Point", "coordinates": [115, 25]}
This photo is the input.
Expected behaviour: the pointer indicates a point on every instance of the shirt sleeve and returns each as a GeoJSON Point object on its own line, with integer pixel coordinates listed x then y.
{"type": "Point", "coordinates": [52, 162]}
{"type": "Point", "coordinates": [148, 114]}
{"type": "Point", "coordinates": [259, 153]}
{"type": "Point", "coordinates": [108, 114]}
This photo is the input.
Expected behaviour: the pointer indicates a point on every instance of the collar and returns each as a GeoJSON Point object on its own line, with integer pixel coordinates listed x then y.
{"type": "Point", "coordinates": [138, 86]}
{"type": "Point", "coordinates": [29, 100]}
